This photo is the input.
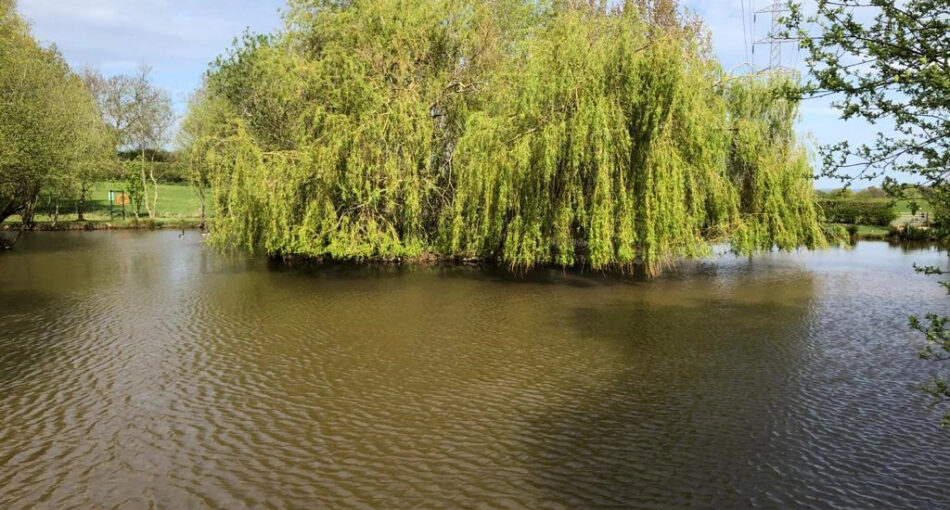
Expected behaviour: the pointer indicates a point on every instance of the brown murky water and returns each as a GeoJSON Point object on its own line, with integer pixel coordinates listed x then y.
{"type": "Point", "coordinates": [139, 370]}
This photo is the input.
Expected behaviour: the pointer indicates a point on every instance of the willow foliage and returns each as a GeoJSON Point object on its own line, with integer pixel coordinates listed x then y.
{"type": "Point", "coordinates": [512, 131]}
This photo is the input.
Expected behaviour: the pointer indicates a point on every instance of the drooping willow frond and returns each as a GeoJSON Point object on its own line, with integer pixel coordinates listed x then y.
{"type": "Point", "coordinates": [510, 131]}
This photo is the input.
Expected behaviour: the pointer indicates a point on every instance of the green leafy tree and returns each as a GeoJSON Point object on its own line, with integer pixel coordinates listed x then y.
{"type": "Point", "coordinates": [518, 132]}
{"type": "Point", "coordinates": [914, 207]}
{"type": "Point", "coordinates": [197, 143]}
{"type": "Point", "coordinates": [139, 116]}
{"type": "Point", "coordinates": [50, 132]}
{"type": "Point", "coordinates": [887, 63]}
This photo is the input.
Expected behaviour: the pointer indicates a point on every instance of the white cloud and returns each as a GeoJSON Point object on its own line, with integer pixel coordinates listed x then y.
{"type": "Point", "coordinates": [178, 39]}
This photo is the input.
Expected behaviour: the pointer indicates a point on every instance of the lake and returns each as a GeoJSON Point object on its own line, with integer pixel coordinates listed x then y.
{"type": "Point", "coordinates": [143, 370]}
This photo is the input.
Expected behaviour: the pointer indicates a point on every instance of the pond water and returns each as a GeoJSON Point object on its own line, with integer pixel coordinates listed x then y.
{"type": "Point", "coordinates": [141, 370]}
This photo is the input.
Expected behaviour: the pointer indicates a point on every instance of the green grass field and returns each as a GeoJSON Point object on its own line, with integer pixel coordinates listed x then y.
{"type": "Point", "coordinates": [177, 204]}
{"type": "Point", "coordinates": [903, 206]}
{"type": "Point", "coordinates": [177, 201]}
{"type": "Point", "coordinates": [872, 232]}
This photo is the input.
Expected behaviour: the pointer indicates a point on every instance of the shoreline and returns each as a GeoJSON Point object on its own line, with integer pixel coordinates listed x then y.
{"type": "Point", "coordinates": [90, 225]}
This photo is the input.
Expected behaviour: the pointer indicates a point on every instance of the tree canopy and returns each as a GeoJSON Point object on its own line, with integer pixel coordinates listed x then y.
{"type": "Point", "coordinates": [885, 62]}
{"type": "Point", "coordinates": [521, 132]}
{"type": "Point", "coordinates": [50, 131]}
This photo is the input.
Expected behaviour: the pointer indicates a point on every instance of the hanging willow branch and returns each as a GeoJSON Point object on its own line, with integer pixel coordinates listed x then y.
{"type": "Point", "coordinates": [505, 131]}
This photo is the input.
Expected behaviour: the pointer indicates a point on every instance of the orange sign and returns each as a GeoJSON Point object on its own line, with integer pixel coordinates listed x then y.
{"type": "Point", "coordinates": [122, 199]}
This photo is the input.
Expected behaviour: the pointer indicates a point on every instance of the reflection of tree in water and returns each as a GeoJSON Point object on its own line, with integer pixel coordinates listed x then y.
{"type": "Point", "coordinates": [733, 400]}
{"type": "Point", "coordinates": [686, 418]}
{"type": "Point", "coordinates": [915, 247]}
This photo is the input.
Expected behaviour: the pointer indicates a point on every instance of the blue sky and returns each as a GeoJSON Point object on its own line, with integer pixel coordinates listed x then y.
{"type": "Point", "coordinates": [179, 38]}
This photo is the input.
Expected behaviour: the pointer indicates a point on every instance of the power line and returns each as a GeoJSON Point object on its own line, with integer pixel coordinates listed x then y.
{"type": "Point", "coordinates": [745, 39]}
{"type": "Point", "coordinates": [752, 39]}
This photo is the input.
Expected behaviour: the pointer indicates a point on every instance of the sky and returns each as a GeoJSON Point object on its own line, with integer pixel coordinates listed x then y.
{"type": "Point", "coordinates": [179, 38]}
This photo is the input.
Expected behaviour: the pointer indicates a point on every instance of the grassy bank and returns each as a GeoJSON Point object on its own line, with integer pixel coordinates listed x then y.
{"type": "Point", "coordinates": [866, 232]}
{"type": "Point", "coordinates": [178, 207]}
{"type": "Point", "coordinates": [903, 206]}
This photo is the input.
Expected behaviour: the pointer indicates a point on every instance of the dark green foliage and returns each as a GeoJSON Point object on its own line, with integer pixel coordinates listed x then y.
{"type": "Point", "coordinates": [864, 212]}
{"type": "Point", "coordinates": [909, 233]}
{"type": "Point", "coordinates": [133, 186]}
{"type": "Point", "coordinates": [510, 131]}
{"type": "Point", "coordinates": [164, 165]}
{"type": "Point", "coordinates": [167, 166]}
{"type": "Point", "coordinates": [156, 155]}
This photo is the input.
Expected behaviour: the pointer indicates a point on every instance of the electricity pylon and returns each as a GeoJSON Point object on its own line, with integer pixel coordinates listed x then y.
{"type": "Point", "coordinates": [773, 40]}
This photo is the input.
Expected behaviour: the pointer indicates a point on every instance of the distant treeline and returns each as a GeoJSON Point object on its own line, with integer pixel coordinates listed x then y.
{"type": "Point", "coordinates": [515, 131]}
{"type": "Point", "coordinates": [876, 206]}
{"type": "Point", "coordinates": [874, 193]}
{"type": "Point", "coordinates": [856, 211]}
{"type": "Point", "coordinates": [169, 166]}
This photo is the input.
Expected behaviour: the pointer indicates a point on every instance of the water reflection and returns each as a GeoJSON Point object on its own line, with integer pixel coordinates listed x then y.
{"type": "Point", "coordinates": [142, 370]}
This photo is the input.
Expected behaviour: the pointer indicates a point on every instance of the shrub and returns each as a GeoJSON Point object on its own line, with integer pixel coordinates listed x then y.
{"type": "Point", "coordinates": [916, 234]}
{"type": "Point", "coordinates": [864, 212]}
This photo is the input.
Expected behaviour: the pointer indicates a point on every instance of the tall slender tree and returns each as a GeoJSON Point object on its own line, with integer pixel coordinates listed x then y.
{"type": "Point", "coordinates": [139, 115]}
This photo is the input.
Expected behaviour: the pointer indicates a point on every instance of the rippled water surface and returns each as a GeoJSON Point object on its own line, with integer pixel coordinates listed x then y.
{"type": "Point", "coordinates": [139, 370]}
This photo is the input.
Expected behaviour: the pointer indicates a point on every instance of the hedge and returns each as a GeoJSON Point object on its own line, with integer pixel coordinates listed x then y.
{"type": "Point", "coordinates": [864, 212]}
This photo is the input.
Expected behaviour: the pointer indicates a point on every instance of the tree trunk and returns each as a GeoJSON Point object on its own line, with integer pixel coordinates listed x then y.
{"type": "Point", "coordinates": [56, 213]}
{"type": "Point", "coordinates": [81, 204]}
{"type": "Point", "coordinates": [151, 174]}
{"type": "Point", "coordinates": [201, 198]}
{"type": "Point", "coordinates": [28, 215]}
{"type": "Point", "coordinates": [148, 208]}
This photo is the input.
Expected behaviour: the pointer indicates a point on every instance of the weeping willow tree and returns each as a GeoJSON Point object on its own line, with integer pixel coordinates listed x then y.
{"type": "Point", "coordinates": [521, 132]}
{"type": "Point", "coordinates": [770, 170]}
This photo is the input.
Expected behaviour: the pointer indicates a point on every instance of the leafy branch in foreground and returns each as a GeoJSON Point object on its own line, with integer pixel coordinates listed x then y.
{"type": "Point", "coordinates": [887, 62]}
{"type": "Point", "coordinates": [934, 328]}
{"type": "Point", "coordinates": [884, 62]}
